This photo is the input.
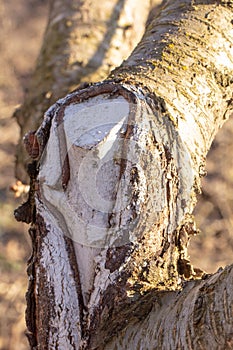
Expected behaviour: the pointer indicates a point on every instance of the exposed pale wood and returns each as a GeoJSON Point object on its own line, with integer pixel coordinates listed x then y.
{"type": "Point", "coordinates": [83, 41]}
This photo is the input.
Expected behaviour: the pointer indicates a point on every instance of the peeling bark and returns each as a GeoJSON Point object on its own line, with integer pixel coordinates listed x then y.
{"type": "Point", "coordinates": [138, 140]}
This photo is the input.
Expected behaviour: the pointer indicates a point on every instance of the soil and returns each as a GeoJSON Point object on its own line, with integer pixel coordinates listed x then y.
{"type": "Point", "coordinates": [22, 26]}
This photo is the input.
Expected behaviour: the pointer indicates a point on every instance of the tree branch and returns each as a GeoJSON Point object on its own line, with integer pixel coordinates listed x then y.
{"type": "Point", "coordinates": [199, 317]}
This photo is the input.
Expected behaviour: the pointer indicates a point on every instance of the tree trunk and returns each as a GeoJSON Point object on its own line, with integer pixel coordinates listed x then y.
{"type": "Point", "coordinates": [115, 173]}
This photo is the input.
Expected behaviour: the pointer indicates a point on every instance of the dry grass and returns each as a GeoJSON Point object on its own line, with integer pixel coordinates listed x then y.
{"type": "Point", "coordinates": [22, 26]}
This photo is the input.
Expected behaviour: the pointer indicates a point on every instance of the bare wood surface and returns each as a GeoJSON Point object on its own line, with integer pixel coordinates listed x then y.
{"type": "Point", "coordinates": [82, 43]}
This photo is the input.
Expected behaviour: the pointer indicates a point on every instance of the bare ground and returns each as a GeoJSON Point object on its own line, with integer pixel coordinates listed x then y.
{"type": "Point", "coordinates": [22, 26]}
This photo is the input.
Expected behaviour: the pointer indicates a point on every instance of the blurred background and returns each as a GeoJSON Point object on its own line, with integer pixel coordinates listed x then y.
{"type": "Point", "coordinates": [21, 31]}
{"type": "Point", "coordinates": [22, 24]}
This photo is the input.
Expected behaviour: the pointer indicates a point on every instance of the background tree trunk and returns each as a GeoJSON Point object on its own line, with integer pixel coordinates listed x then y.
{"type": "Point", "coordinates": [171, 99]}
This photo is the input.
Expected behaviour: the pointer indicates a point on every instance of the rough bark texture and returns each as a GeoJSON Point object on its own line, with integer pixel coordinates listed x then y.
{"type": "Point", "coordinates": [82, 43]}
{"type": "Point", "coordinates": [200, 317]}
{"type": "Point", "coordinates": [130, 274]}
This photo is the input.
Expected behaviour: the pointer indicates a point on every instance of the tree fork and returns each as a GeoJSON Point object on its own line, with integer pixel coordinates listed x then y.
{"type": "Point", "coordinates": [144, 134]}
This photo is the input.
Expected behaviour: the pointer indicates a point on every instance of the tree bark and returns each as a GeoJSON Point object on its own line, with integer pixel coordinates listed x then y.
{"type": "Point", "coordinates": [113, 271]}
{"type": "Point", "coordinates": [199, 317]}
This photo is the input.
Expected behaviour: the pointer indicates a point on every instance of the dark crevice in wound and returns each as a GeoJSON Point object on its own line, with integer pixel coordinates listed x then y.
{"type": "Point", "coordinates": [116, 256]}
